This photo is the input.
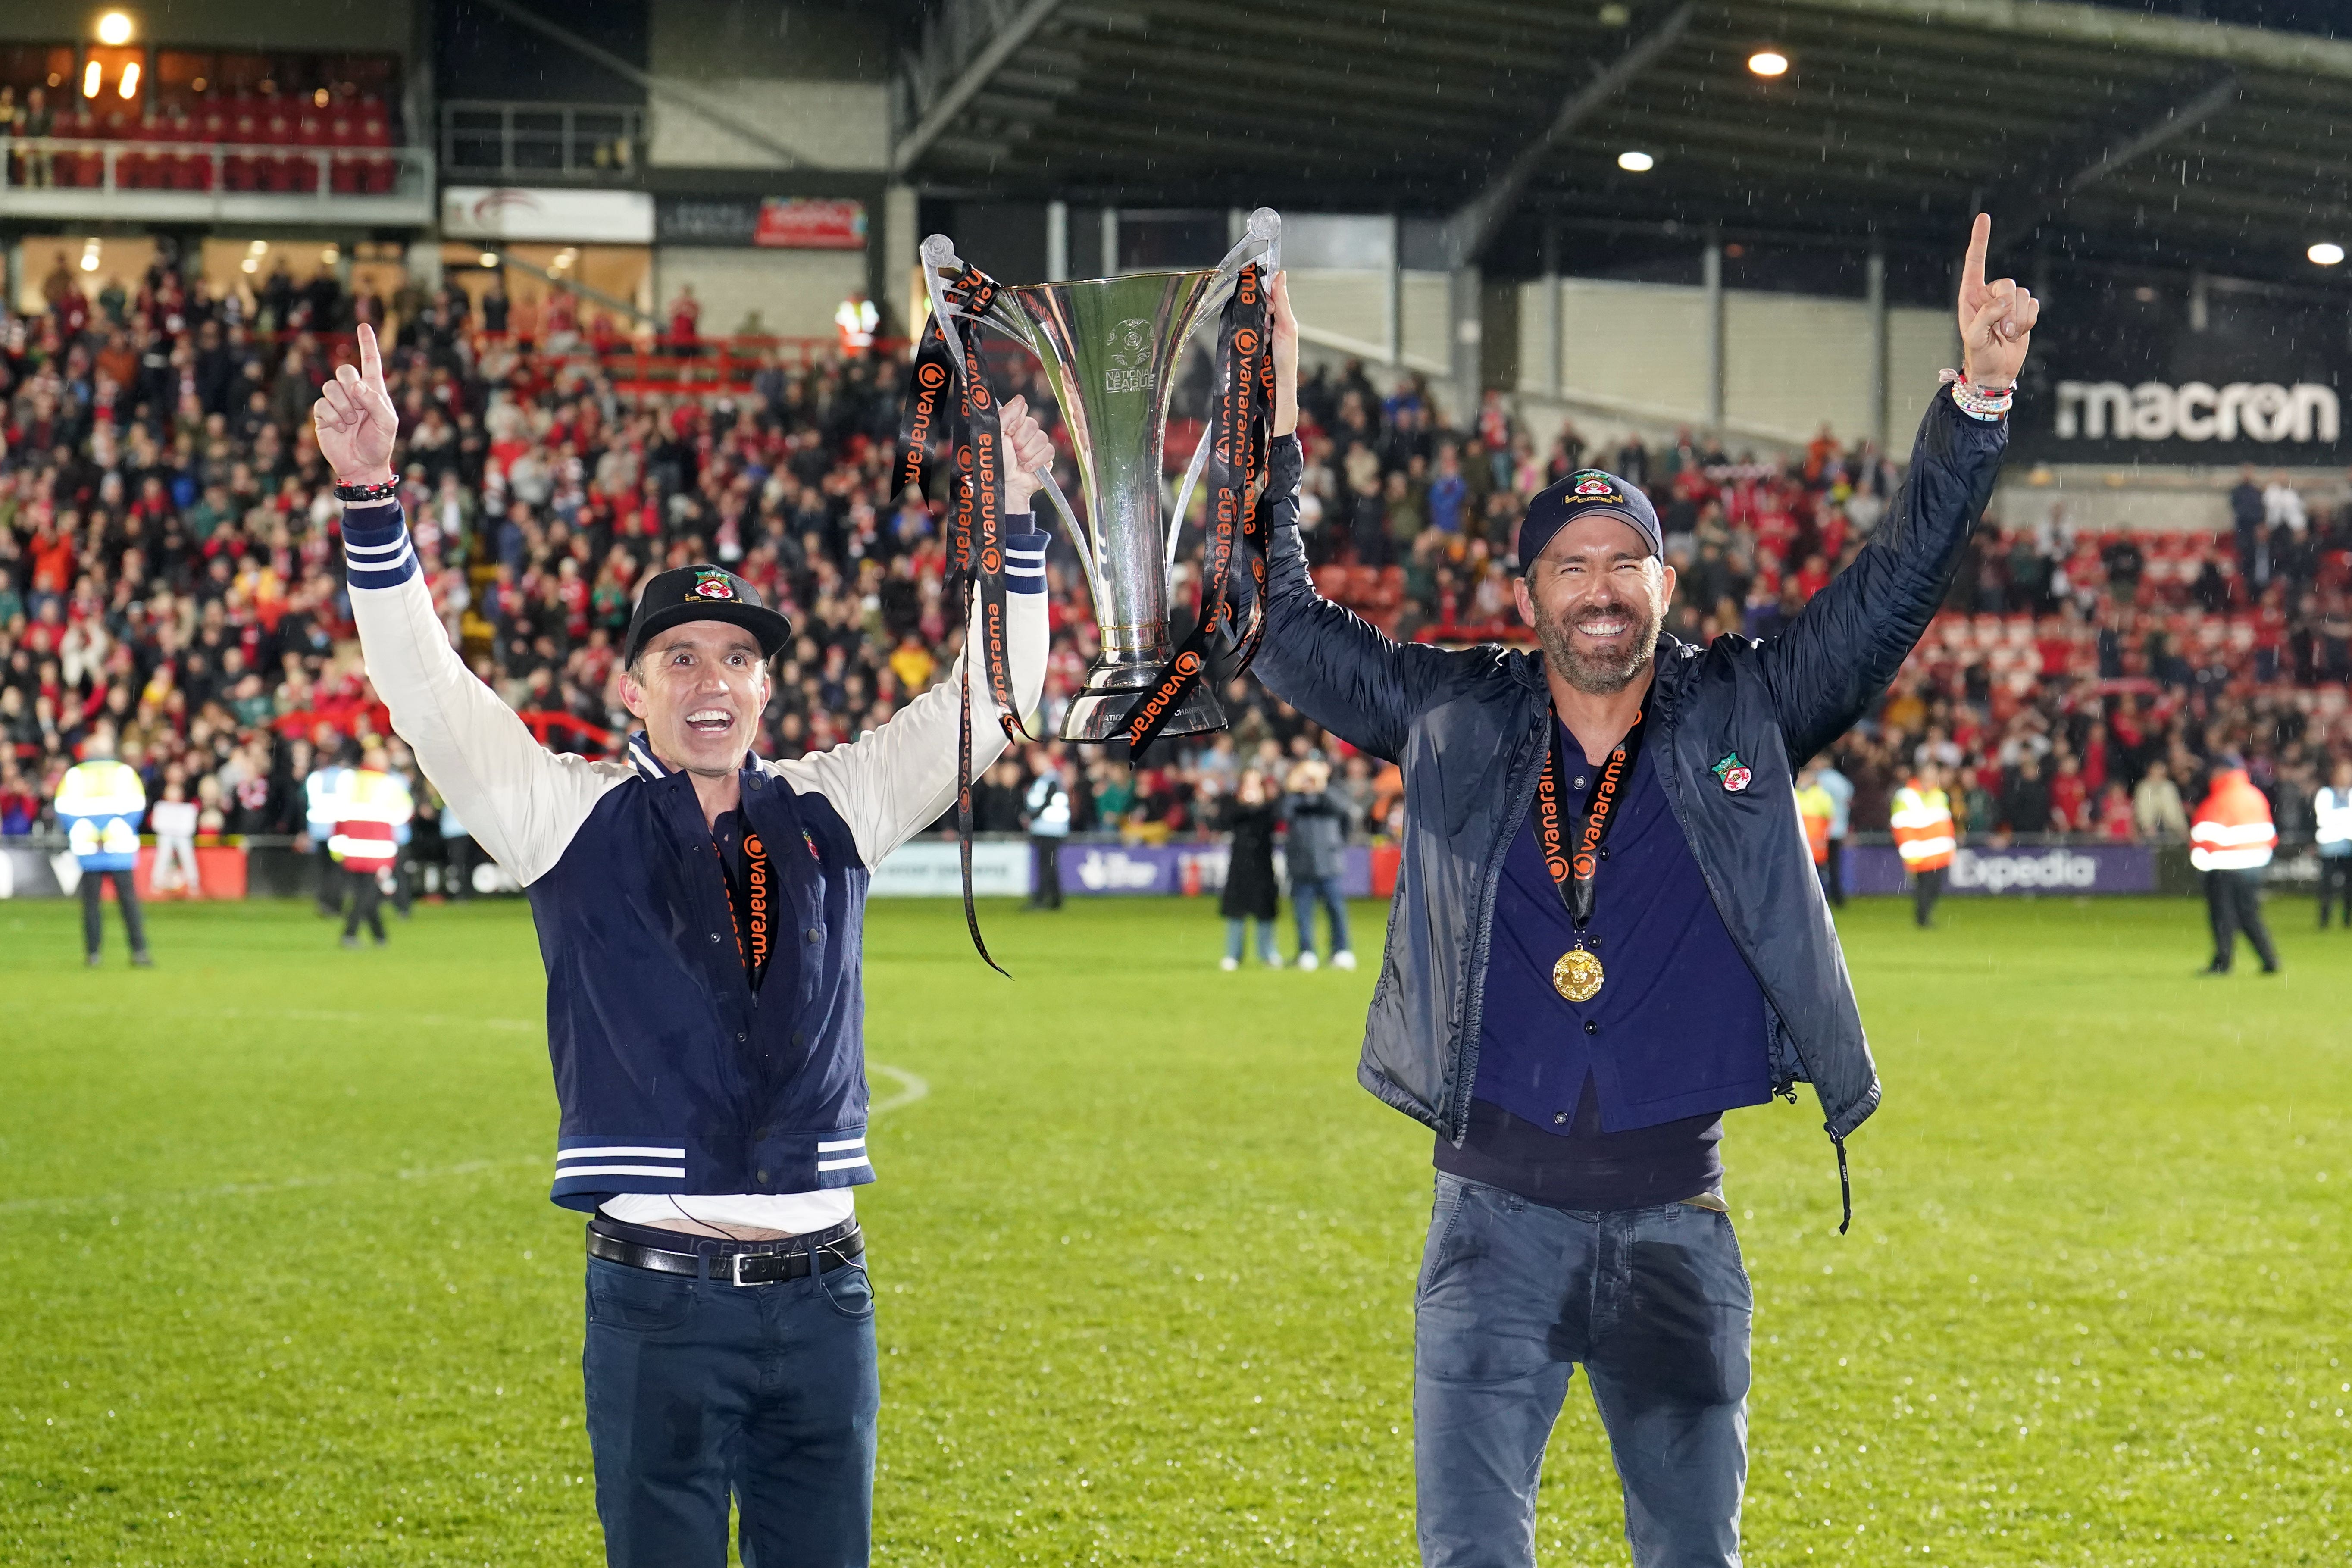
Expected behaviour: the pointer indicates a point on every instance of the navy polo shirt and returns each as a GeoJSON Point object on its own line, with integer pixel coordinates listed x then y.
{"type": "Point", "coordinates": [1677, 1035]}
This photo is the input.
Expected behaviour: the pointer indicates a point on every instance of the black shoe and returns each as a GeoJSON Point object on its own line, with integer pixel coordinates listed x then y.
{"type": "Point", "coordinates": [2218, 971]}
{"type": "Point", "coordinates": [143, 959]}
{"type": "Point", "coordinates": [93, 961]}
{"type": "Point", "coordinates": [2270, 969]}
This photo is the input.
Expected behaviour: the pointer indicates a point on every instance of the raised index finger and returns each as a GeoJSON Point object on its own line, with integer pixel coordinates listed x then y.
{"type": "Point", "coordinates": [371, 362]}
{"type": "Point", "coordinates": [1980, 240]}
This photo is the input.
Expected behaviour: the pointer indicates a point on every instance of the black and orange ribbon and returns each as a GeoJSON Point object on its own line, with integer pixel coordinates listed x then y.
{"type": "Point", "coordinates": [976, 532]}
{"type": "Point", "coordinates": [1576, 873]}
{"type": "Point", "coordinates": [752, 907]}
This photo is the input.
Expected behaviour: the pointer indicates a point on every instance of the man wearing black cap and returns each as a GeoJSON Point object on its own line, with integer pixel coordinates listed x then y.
{"type": "Point", "coordinates": [1606, 932]}
{"type": "Point", "coordinates": [700, 914]}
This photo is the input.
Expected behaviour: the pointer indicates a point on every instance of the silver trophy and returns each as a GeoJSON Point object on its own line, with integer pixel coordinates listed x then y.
{"type": "Point", "coordinates": [1109, 347]}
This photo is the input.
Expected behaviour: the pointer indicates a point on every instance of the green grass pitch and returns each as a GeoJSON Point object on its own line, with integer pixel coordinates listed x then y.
{"type": "Point", "coordinates": [279, 1282]}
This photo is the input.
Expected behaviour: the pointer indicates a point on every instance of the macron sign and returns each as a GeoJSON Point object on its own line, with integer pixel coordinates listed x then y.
{"type": "Point", "coordinates": [2200, 411]}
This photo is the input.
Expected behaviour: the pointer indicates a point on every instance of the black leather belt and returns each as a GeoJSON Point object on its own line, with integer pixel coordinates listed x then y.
{"type": "Point", "coordinates": [739, 1262]}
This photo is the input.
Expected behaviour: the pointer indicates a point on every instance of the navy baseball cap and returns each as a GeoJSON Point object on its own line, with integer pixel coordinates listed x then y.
{"type": "Point", "coordinates": [703, 594]}
{"type": "Point", "coordinates": [1588, 492]}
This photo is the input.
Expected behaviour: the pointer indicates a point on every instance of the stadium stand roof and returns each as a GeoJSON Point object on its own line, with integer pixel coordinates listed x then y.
{"type": "Point", "coordinates": [2090, 132]}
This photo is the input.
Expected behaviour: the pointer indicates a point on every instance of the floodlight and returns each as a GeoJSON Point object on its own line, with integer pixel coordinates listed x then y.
{"type": "Point", "coordinates": [114, 29]}
{"type": "Point", "coordinates": [1768, 62]}
{"type": "Point", "coordinates": [2327, 253]}
{"type": "Point", "coordinates": [1636, 163]}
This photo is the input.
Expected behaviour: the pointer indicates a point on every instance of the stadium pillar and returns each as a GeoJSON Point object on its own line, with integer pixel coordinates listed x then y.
{"type": "Point", "coordinates": [1058, 242]}
{"type": "Point", "coordinates": [1466, 333]}
{"type": "Point", "coordinates": [899, 244]}
{"type": "Point", "coordinates": [1712, 275]}
{"type": "Point", "coordinates": [1553, 355]}
{"type": "Point", "coordinates": [1874, 282]}
{"type": "Point", "coordinates": [1396, 291]}
{"type": "Point", "coordinates": [1110, 243]}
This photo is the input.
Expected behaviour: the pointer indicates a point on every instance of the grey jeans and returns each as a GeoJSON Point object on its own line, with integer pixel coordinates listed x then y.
{"type": "Point", "coordinates": [1654, 1304]}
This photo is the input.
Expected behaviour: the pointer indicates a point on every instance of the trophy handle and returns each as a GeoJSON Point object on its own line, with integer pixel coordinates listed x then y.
{"type": "Point", "coordinates": [940, 257]}
{"type": "Point", "coordinates": [1184, 495]}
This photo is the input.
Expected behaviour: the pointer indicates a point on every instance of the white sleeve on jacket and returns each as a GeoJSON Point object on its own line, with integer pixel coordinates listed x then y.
{"type": "Point", "coordinates": [521, 802]}
{"type": "Point", "coordinates": [891, 782]}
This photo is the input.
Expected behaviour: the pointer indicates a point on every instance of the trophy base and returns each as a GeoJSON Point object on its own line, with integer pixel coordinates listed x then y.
{"type": "Point", "coordinates": [1093, 715]}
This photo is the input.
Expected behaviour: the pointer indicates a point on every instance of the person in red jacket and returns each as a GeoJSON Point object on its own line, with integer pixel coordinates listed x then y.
{"type": "Point", "coordinates": [2230, 837]}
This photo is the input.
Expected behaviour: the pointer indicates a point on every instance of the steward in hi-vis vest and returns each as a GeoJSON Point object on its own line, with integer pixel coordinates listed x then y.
{"type": "Point", "coordinates": [2230, 837]}
{"type": "Point", "coordinates": [1926, 838]}
{"type": "Point", "coordinates": [371, 805]}
{"type": "Point", "coordinates": [99, 803]}
{"type": "Point", "coordinates": [2332, 811]}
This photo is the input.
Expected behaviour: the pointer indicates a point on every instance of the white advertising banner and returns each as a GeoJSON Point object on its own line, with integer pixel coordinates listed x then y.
{"type": "Point", "coordinates": [928, 869]}
{"type": "Point", "coordinates": [514, 212]}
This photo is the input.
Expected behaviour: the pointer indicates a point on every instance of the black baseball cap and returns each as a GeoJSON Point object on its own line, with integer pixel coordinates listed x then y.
{"type": "Point", "coordinates": [1588, 492]}
{"type": "Point", "coordinates": [703, 594]}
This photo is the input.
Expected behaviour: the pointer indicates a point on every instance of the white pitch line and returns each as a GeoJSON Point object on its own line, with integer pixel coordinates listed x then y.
{"type": "Point", "coordinates": [911, 1088]}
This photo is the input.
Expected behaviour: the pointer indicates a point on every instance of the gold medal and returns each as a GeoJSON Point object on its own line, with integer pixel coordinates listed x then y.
{"type": "Point", "coordinates": [1577, 975]}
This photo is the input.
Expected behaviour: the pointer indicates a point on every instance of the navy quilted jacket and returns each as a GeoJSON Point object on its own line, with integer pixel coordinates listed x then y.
{"type": "Point", "coordinates": [1469, 729]}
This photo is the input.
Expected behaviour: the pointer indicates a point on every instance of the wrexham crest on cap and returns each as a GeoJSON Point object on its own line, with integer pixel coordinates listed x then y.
{"type": "Point", "coordinates": [1734, 772]}
{"type": "Point", "coordinates": [1594, 487]}
{"type": "Point", "coordinates": [712, 584]}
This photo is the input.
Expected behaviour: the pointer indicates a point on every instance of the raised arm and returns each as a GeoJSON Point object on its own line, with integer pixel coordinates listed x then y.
{"type": "Point", "coordinates": [522, 803]}
{"type": "Point", "coordinates": [889, 782]}
{"type": "Point", "coordinates": [1845, 648]}
{"type": "Point", "coordinates": [1346, 675]}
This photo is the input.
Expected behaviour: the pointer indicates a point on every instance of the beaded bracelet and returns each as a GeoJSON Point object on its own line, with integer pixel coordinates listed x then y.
{"type": "Point", "coordinates": [1976, 401]}
{"type": "Point", "coordinates": [367, 495]}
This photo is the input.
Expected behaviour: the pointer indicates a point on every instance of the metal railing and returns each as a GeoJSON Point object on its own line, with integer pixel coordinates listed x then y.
{"type": "Point", "coordinates": [212, 168]}
{"type": "Point", "coordinates": [500, 141]}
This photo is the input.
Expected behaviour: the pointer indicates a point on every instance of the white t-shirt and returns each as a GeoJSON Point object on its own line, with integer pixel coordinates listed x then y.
{"type": "Point", "coordinates": [174, 818]}
{"type": "Point", "coordinates": [794, 1214]}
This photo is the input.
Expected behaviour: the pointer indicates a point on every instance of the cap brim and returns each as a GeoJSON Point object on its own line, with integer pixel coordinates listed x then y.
{"type": "Point", "coordinates": [1617, 514]}
{"type": "Point", "coordinates": [772, 628]}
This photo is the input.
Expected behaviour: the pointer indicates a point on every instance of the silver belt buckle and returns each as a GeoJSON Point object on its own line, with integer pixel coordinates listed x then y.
{"type": "Point", "coordinates": [735, 1267]}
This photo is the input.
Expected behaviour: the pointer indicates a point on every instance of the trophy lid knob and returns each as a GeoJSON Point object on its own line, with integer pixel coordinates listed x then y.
{"type": "Point", "coordinates": [939, 250]}
{"type": "Point", "coordinates": [1265, 223]}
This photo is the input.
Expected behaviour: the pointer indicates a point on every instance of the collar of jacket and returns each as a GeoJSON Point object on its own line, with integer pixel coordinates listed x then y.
{"type": "Point", "coordinates": [653, 770]}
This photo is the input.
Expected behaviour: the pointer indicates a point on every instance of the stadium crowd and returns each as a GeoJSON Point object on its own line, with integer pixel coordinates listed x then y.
{"type": "Point", "coordinates": [171, 574]}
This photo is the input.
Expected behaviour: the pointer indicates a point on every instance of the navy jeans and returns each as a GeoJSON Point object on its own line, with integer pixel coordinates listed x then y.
{"type": "Point", "coordinates": [699, 1389]}
{"type": "Point", "coordinates": [1324, 890]}
{"type": "Point", "coordinates": [1653, 1302]}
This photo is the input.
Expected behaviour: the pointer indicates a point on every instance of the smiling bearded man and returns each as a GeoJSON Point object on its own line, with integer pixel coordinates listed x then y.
{"type": "Point", "coordinates": [1606, 934]}
{"type": "Point", "coordinates": [702, 916]}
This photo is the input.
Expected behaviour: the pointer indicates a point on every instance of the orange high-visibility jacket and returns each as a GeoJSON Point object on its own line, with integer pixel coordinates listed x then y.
{"type": "Point", "coordinates": [2232, 831]}
{"type": "Point", "coordinates": [1924, 834]}
{"type": "Point", "coordinates": [1818, 811]}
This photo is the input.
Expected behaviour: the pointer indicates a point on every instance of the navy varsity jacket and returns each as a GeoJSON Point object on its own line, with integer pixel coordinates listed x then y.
{"type": "Point", "coordinates": [655, 1035]}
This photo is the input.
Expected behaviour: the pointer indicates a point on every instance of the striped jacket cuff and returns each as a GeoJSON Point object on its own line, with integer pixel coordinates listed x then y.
{"type": "Point", "coordinates": [375, 546]}
{"type": "Point", "coordinates": [1025, 556]}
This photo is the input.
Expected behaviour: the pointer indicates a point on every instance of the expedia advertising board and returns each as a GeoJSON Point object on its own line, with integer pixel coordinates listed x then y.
{"type": "Point", "coordinates": [2117, 378]}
